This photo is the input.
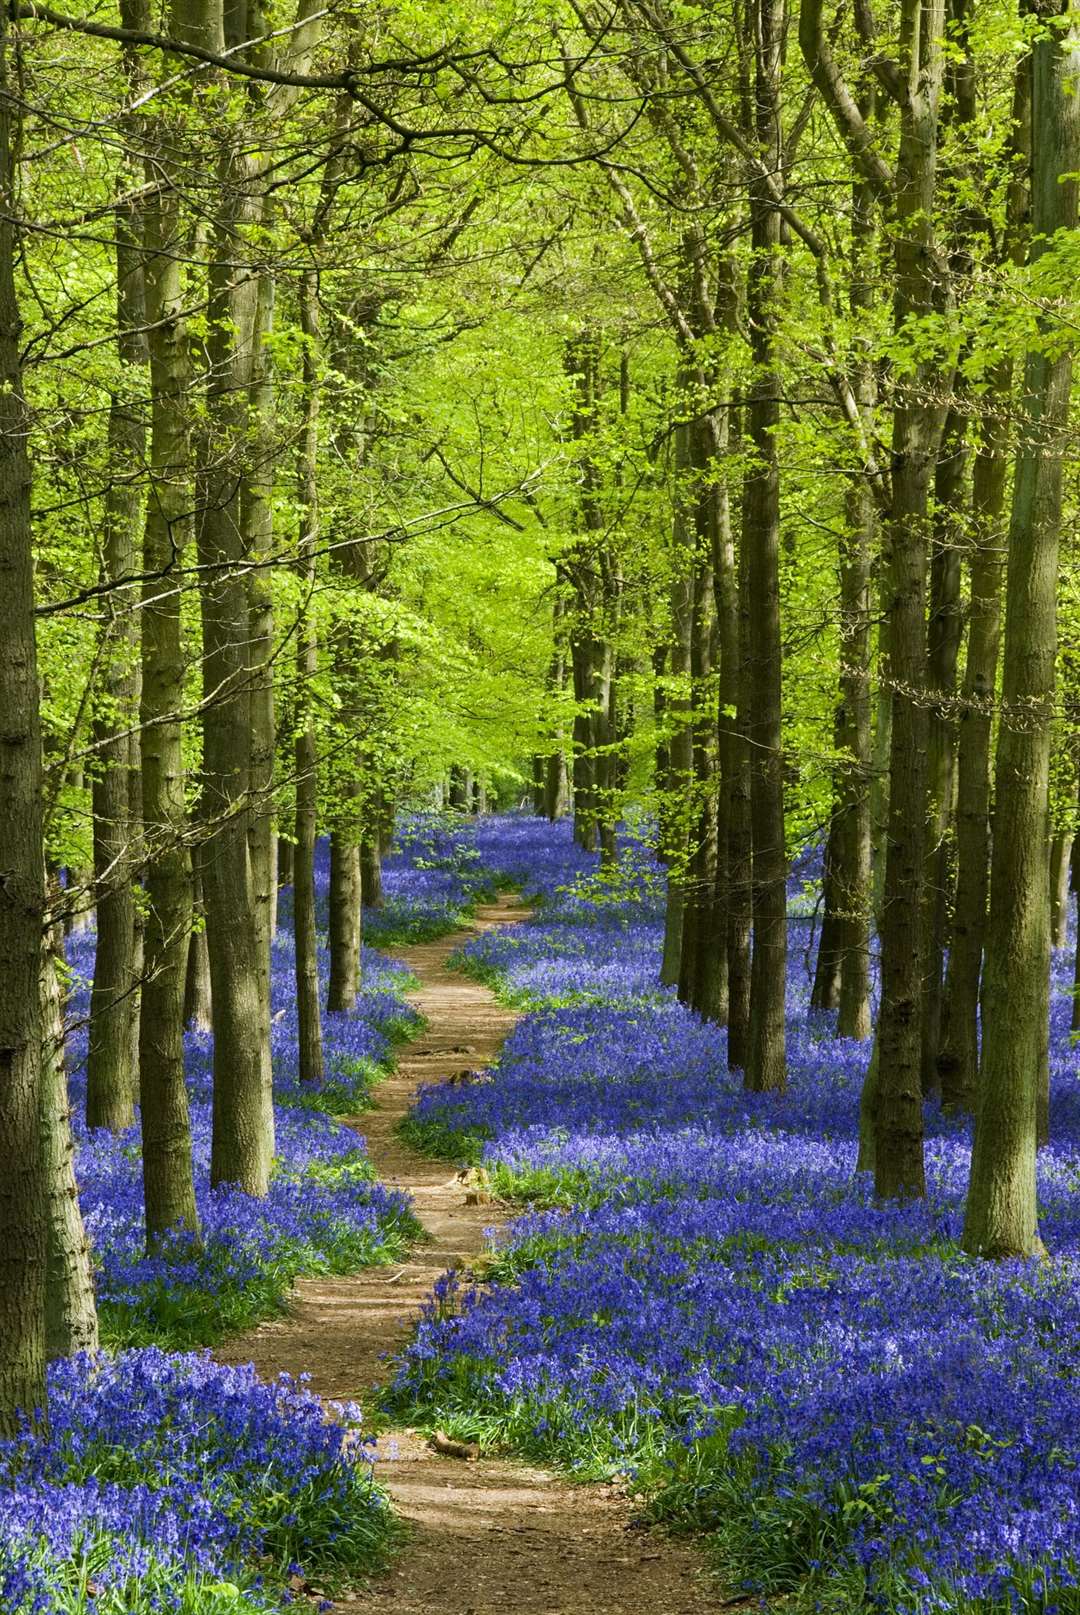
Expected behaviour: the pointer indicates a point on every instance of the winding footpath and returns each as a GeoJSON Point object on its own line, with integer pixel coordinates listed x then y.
{"type": "Point", "coordinates": [489, 1536]}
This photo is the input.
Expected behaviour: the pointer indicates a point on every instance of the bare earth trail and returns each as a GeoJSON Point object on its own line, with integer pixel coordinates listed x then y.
{"type": "Point", "coordinates": [489, 1536]}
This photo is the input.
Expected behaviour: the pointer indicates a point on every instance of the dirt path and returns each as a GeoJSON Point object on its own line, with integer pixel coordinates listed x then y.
{"type": "Point", "coordinates": [489, 1536]}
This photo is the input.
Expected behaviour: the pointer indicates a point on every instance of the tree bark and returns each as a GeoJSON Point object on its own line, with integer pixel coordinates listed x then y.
{"type": "Point", "coordinates": [371, 881]}
{"type": "Point", "coordinates": [701, 867]}
{"type": "Point", "coordinates": [257, 513]}
{"type": "Point", "coordinates": [943, 649]}
{"type": "Point", "coordinates": [1001, 1214]}
{"type": "Point", "coordinates": [958, 1060]}
{"type": "Point", "coordinates": [917, 423]}
{"type": "Point", "coordinates": [111, 1078]}
{"type": "Point", "coordinates": [168, 1185]}
{"type": "Point", "coordinates": [556, 783]}
{"type": "Point", "coordinates": [22, 1213]}
{"type": "Point", "coordinates": [678, 705]}
{"type": "Point", "coordinates": [1060, 861]}
{"type": "Point", "coordinates": [309, 1021]}
{"type": "Point", "coordinates": [242, 1145]}
{"type": "Point", "coordinates": [854, 874]}
{"type": "Point", "coordinates": [712, 989]}
{"type": "Point", "coordinates": [1074, 881]}
{"type": "Point", "coordinates": [70, 1312]}
{"type": "Point", "coordinates": [825, 992]}
{"type": "Point", "coordinates": [766, 1062]}
{"type": "Point", "coordinates": [198, 1002]}
{"type": "Point", "coordinates": [345, 920]}
{"type": "Point", "coordinates": [740, 847]}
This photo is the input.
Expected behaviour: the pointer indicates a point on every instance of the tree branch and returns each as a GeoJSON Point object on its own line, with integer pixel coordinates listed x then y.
{"type": "Point", "coordinates": [853, 128]}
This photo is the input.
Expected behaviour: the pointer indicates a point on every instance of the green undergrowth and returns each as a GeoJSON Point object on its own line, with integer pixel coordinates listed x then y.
{"type": "Point", "coordinates": [401, 931]}
{"type": "Point", "coordinates": [440, 1143]}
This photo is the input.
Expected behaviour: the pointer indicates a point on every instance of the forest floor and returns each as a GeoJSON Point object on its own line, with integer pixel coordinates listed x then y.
{"type": "Point", "coordinates": [486, 1535]}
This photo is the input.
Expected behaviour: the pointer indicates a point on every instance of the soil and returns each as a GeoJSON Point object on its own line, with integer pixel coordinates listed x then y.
{"type": "Point", "coordinates": [487, 1535]}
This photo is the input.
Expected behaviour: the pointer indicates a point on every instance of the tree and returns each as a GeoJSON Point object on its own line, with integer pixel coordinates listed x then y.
{"type": "Point", "coordinates": [22, 903]}
{"type": "Point", "coordinates": [1001, 1214]}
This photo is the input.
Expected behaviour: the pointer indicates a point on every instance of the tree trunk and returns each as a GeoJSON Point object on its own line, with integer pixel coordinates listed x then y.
{"type": "Point", "coordinates": [766, 1062]}
{"type": "Point", "coordinates": [371, 881]}
{"type": "Point", "coordinates": [257, 511]}
{"type": "Point", "coordinates": [712, 991]}
{"type": "Point", "coordinates": [917, 424]}
{"type": "Point", "coordinates": [1074, 1020]}
{"type": "Point", "coordinates": [825, 993]}
{"type": "Point", "coordinates": [22, 1220]}
{"type": "Point", "coordinates": [854, 871]}
{"type": "Point", "coordinates": [943, 649]}
{"type": "Point", "coordinates": [854, 729]}
{"type": "Point", "coordinates": [958, 1059]}
{"type": "Point", "coordinates": [679, 707]}
{"type": "Point", "coordinates": [309, 1021]}
{"type": "Point", "coordinates": [345, 921]}
{"type": "Point", "coordinates": [740, 848]}
{"type": "Point", "coordinates": [701, 868]}
{"type": "Point", "coordinates": [460, 790]}
{"type": "Point", "coordinates": [243, 1119]}
{"type": "Point", "coordinates": [881, 744]}
{"type": "Point", "coordinates": [111, 1078]}
{"type": "Point", "coordinates": [168, 1186]}
{"type": "Point", "coordinates": [70, 1312]}
{"type": "Point", "coordinates": [198, 1003]}
{"type": "Point", "coordinates": [1060, 860]}
{"type": "Point", "coordinates": [556, 799]}
{"type": "Point", "coordinates": [1001, 1215]}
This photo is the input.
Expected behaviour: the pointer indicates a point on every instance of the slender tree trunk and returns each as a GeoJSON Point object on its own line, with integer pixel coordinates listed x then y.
{"type": "Point", "coordinates": [766, 1063]}
{"type": "Point", "coordinates": [854, 734]}
{"type": "Point", "coordinates": [70, 1312]}
{"type": "Point", "coordinates": [825, 993]}
{"type": "Point", "coordinates": [111, 1078]}
{"type": "Point", "coordinates": [959, 1054]}
{"type": "Point", "coordinates": [198, 1003]}
{"type": "Point", "coordinates": [1001, 1215]}
{"type": "Point", "coordinates": [854, 873]}
{"type": "Point", "coordinates": [371, 881]}
{"type": "Point", "coordinates": [958, 1060]}
{"type": "Point", "coordinates": [1060, 861]}
{"type": "Point", "coordinates": [917, 423]}
{"type": "Point", "coordinates": [740, 848]}
{"type": "Point", "coordinates": [881, 745]}
{"type": "Point", "coordinates": [307, 665]}
{"type": "Point", "coordinates": [257, 512]}
{"type": "Point", "coordinates": [460, 788]}
{"type": "Point", "coordinates": [345, 920]}
{"type": "Point", "coordinates": [712, 994]}
{"type": "Point", "coordinates": [943, 649]}
{"type": "Point", "coordinates": [556, 802]}
{"type": "Point", "coordinates": [1074, 1021]}
{"type": "Point", "coordinates": [22, 1218]}
{"type": "Point", "coordinates": [701, 868]}
{"type": "Point", "coordinates": [242, 1145]}
{"type": "Point", "coordinates": [679, 708]}
{"type": "Point", "coordinates": [168, 1185]}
